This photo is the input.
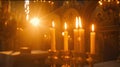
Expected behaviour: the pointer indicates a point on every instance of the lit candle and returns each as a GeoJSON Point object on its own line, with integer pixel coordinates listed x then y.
{"type": "Point", "coordinates": [53, 41]}
{"type": "Point", "coordinates": [92, 40]}
{"type": "Point", "coordinates": [76, 49]}
{"type": "Point", "coordinates": [81, 37]}
{"type": "Point", "coordinates": [65, 38]}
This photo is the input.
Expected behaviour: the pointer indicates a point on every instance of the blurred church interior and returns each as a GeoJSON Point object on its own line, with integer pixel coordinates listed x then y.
{"type": "Point", "coordinates": [18, 34]}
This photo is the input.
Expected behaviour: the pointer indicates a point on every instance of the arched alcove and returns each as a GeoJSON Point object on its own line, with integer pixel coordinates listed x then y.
{"type": "Point", "coordinates": [69, 16]}
{"type": "Point", "coordinates": [107, 31]}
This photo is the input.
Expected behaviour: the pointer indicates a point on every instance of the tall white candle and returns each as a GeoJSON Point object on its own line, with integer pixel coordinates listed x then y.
{"type": "Point", "coordinates": [65, 38]}
{"type": "Point", "coordinates": [81, 37]}
{"type": "Point", "coordinates": [53, 40]}
{"type": "Point", "coordinates": [76, 49]}
{"type": "Point", "coordinates": [92, 40]}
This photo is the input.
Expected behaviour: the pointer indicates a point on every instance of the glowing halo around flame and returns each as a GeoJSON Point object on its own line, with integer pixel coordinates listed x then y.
{"type": "Point", "coordinates": [93, 27]}
{"type": "Point", "coordinates": [35, 21]}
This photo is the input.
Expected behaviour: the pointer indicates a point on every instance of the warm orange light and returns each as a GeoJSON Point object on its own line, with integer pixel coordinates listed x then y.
{"type": "Point", "coordinates": [45, 35]}
{"type": "Point", "coordinates": [35, 21]}
{"type": "Point", "coordinates": [65, 26]}
{"type": "Point", "coordinates": [118, 2]}
{"type": "Point", "coordinates": [80, 23]}
{"type": "Point", "coordinates": [20, 29]}
{"type": "Point", "coordinates": [93, 27]}
{"type": "Point", "coordinates": [76, 22]}
{"type": "Point", "coordinates": [108, 0]}
{"type": "Point", "coordinates": [27, 17]}
{"type": "Point", "coordinates": [26, 6]}
{"type": "Point", "coordinates": [100, 2]}
{"type": "Point", "coordinates": [53, 24]}
{"type": "Point", "coordinates": [62, 33]}
{"type": "Point", "coordinates": [24, 47]}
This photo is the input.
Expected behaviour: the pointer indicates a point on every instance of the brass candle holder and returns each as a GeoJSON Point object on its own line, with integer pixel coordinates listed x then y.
{"type": "Point", "coordinates": [78, 59]}
{"type": "Point", "coordinates": [53, 58]}
{"type": "Point", "coordinates": [66, 58]}
{"type": "Point", "coordinates": [91, 59]}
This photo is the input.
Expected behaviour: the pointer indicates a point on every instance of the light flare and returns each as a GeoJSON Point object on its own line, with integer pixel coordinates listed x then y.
{"type": "Point", "coordinates": [80, 23]}
{"type": "Point", "coordinates": [77, 22]}
{"type": "Point", "coordinates": [53, 24]}
{"type": "Point", "coordinates": [26, 6]}
{"type": "Point", "coordinates": [65, 26]}
{"type": "Point", "coordinates": [35, 21]}
{"type": "Point", "coordinates": [93, 27]}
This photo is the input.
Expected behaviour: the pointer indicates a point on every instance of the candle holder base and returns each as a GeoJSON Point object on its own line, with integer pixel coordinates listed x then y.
{"type": "Point", "coordinates": [78, 59]}
{"type": "Point", "coordinates": [53, 58]}
{"type": "Point", "coordinates": [91, 59]}
{"type": "Point", "coordinates": [66, 58]}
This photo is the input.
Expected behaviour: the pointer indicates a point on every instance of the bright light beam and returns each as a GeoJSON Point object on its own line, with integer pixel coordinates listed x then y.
{"type": "Point", "coordinates": [26, 6]}
{"type": "Point", "coordinates": [35, 21]}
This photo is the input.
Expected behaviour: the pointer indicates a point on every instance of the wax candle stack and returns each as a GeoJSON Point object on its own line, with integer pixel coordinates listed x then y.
{"type": "Point", "coordinates": [79, 37]}
{"type": "Point", "coordinates": [92, 41]}
{"type": "Point", "coordinates": [76, 44]}
{"type": "Point", "coordinates": [53, 40]}
{"type": "Point", "coordinates": [65, 38]}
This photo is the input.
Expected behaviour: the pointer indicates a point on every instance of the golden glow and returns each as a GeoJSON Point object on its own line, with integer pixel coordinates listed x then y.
{"type": "Point", "coordinates": [55, 57]}
{"type": "Point", "coordinates": [45, 35]}
{"type": "Point", "coordinates": [108, 0]}
{"type": "Point", "coordinates": [26, 6]}
{"type": "Point", "coordinates": [65, 26]}
{"type": "Point", "coordinates": [52, 3]}
{"type": "Point", "coordinates": [44, 1]}
{"type": "Point", "coordinates": [67, 2]}
{"type": "Point", "coordinates": [67, 57]}
{"type": "Point", "coordinates": [53, 24]}
{"type": "Point", "coordinates": [80, 23]}
{"type": "Point", "coordinates": [35, 21]}
{"type": "Point", "coordinates": [19, 29]}
{"type": "Point", "coordinates": [24, 48]}
{"type": "Point", "coordinates": [76, 22]}
{"type": "Point", "coordinates": [62, 33]}
{"type": "Point", "coordinates": [100, 2]}
{"type": "Point", "coordinates": [118, 2]}
{"type": "Point", "coordinates": [68, 36]}
{"type": "Point", "coordinates": [93, 27]}
{"type": "Point", "coordinates": [27, 17]}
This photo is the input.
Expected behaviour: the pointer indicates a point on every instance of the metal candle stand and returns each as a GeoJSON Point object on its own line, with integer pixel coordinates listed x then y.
{"type": "Point", "coordinates": [65, 58]}
{"type": "Point", "coordinates": [91, 60]}
{"type": "Point", "coordinates": [52, 58]}
{"type": "Point", "coordinates": [78, 59]}
{"type": "Point", "coordinates": [70, 59]}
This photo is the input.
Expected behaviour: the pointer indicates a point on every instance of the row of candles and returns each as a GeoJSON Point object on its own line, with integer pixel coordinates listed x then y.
{"type": "Point", "coordinates": [79, 39]}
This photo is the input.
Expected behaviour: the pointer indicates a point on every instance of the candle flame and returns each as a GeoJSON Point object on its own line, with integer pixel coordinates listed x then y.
{"type": "Point", "coordinates": [62, 33]}
{"type": "Point", "coordinates": [35, 21]}
{"type": "Point", "coordinates": [80, 23]}
{"type": "Point", "coordinates": [53, 24]}
{"type": "Point", "coordinates": [65, 26]}
{"type": "Point", "coordinates": [93, 27]}
{"type": "Point", "coordinates": [76, 22]}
